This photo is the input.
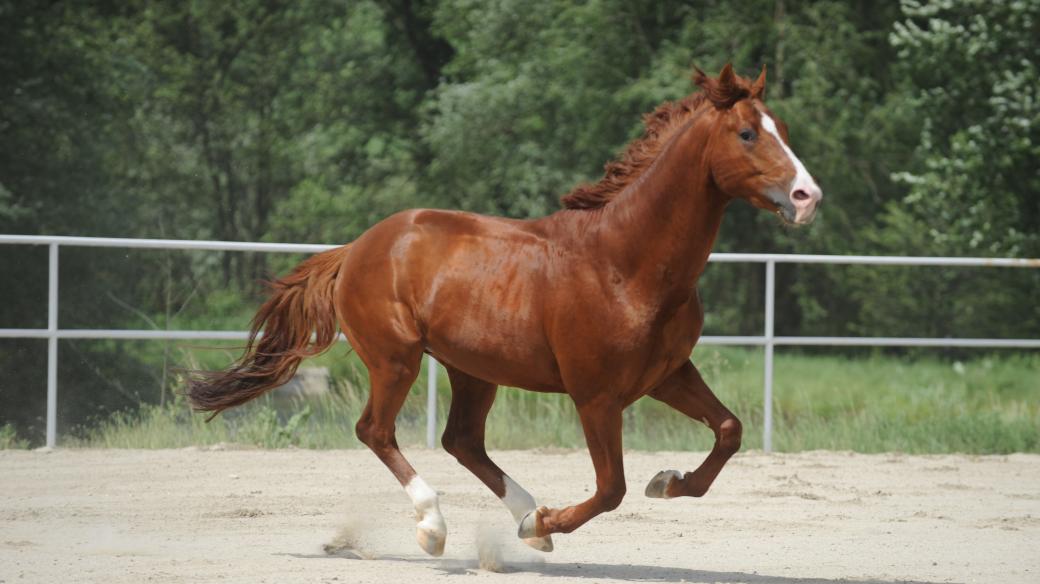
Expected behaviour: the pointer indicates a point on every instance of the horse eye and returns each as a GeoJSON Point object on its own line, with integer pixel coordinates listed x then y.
{"type": "Point", "coordinates": [747, 134]}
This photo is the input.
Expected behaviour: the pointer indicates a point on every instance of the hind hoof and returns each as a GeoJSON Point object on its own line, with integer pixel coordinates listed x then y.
{"type": "Point", "coordinates": [431, 538]}
{"type": "Point", "coordinates": [528, 528]}
{"type": "Point", "coordinates": [542, 544]}
{"type": "Point", "coordinates": [658, 487]}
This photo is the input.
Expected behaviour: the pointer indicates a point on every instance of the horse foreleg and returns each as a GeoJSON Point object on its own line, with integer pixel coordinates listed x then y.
{"type": "Point", "coordinates": [471, 400]}
{"type": "Point", "coordinates": [686, 391]}
{"type": "Point", "coordinates": [602, 427]}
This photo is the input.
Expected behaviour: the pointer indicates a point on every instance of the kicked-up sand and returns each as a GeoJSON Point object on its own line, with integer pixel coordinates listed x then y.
{"type": "Point", "coordinates": [229, 515]}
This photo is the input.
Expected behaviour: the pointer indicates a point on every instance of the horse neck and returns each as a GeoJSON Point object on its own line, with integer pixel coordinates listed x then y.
{"type": "Point", "coordinates": [661, 229]}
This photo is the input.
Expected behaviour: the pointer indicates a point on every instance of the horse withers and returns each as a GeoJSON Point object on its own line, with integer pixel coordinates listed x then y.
{"type": "Point", "coordinates": [598, 301]}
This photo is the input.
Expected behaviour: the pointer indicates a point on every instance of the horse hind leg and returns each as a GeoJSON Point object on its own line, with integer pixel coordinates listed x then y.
{"type": "Point", "coordinates": [390, 380]}
{"type": "Point", "coordinates": [471, 400]}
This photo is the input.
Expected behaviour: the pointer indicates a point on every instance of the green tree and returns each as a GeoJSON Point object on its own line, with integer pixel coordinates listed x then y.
{"type": "Point", "coordinates": [972, 180]}
{"type": "Point", "coordinates": [311, 121]}
{"type": "Point", "coordinates": [975, 69]}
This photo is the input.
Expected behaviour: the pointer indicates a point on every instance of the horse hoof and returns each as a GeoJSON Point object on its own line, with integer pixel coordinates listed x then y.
{"type": "Point", "coordinates": [431, 538]}
{"type": "Point", "coordinates": [542, 544]}
{"type": "Point", "coordinates": [529, 526]}
{"type": "Point", "coordinates": [658, 487]}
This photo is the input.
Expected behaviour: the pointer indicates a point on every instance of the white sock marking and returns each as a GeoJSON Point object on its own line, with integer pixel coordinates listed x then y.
{"type": "Point", "coordinates": [517, 500]}
{"type": "Point", "coordinates": [426, 503]}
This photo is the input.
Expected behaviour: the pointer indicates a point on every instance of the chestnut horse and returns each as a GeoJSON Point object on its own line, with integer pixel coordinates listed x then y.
{"type": "Point", "coordinates": [598, 301]}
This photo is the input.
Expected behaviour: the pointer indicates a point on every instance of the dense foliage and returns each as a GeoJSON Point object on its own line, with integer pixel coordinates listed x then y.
{"type": "Point", "coordinates": [309, 121]}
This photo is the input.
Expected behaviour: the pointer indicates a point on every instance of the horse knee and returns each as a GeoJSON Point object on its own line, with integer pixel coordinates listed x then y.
{"type": "Point", "coordinates": [730, 433]}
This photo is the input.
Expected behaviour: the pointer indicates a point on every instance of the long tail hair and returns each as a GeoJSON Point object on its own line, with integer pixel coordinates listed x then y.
{"type": "Point", "coordinates": [300, 306]}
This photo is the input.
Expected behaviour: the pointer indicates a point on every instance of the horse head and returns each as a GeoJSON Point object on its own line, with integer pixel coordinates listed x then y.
{"type": "Point", "coordinates": [748, 151]}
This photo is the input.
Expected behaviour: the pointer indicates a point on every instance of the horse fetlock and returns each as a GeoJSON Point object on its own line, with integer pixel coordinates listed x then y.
{"type": "Point", "coordinates": [516, 499]}
{"type": "Point", "coordinates": [431, 531]}
{"type": "Point", "coordinates": [697, 488]}
{"type": "Point", "coordinates": [611, 498]}
{"type": "Point", "coordinates": [563, 520]}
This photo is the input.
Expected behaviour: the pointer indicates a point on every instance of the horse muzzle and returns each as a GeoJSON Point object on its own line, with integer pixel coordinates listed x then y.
{"type": "Point", "coordinates": [805, 200]}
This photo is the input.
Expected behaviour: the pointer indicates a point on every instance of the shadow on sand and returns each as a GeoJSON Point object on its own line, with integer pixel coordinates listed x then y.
{"type": "Point", "coordinates": [620, 572]}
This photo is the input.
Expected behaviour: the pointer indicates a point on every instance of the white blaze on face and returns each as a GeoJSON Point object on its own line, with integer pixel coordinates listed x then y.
{"type": "Point", "coordinates": [517, 500]}
{"type": "Point", "coordinates": [802, 179]}
{"type": "Point", "coordinates": [803, 195]}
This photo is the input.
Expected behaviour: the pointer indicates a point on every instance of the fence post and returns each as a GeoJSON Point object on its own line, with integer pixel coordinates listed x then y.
{"type": "Point", "coordinates": [431, 402]}
{"type": "Point", "coordinates": [52, 346]}
{"type": "Point", "coordinates": [767, 396]}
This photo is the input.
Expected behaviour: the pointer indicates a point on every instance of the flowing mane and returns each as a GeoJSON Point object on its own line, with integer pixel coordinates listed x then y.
{"type": "Point", "coordinates": [660, 124]}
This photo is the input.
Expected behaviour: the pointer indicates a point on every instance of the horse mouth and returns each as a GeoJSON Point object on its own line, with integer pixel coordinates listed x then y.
{"type": "Point", "coordinates": [783, 209]}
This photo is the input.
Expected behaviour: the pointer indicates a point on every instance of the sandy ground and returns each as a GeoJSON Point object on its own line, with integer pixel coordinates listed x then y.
{"type": "Point", "coordinates": [266, 516]}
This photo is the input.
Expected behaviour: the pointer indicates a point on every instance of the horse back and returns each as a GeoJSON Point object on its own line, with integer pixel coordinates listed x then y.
{"type": "Point", "coordinates": [471, 289]}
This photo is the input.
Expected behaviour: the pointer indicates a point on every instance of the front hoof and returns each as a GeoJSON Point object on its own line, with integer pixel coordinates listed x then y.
{"type": "Point", "coordinates": [658, 487]}
{"type": "Point", "coordinates": [431, 537]}
{"type": "Point", "coordinates": [542, 544]}
{"type": "Point", "coordinates": [529, 524]}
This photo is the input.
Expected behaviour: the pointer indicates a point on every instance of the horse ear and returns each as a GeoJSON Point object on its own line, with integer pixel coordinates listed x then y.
{"type": "Point", "coordinates": [758, 88]}
{"type": "Point", "coordinates": [727, 78]}
{"type": "Point", "coordinates": [700, 78]}
{"type": "Point", "coordinates": [727, 89]}
{"type": "Point", "coordinates": [723, 91]}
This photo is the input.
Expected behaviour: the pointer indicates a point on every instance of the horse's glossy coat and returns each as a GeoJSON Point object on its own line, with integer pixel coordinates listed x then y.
{"type": "Point", "coordinates": [598, 301]}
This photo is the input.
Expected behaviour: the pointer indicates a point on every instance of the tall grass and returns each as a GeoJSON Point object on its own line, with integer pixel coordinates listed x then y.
{"type": "Point", "coordinates": [869, 404]}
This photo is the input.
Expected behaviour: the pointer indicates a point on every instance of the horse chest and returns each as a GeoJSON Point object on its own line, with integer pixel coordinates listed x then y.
{"type": "Point", "coordinates": [630, 348]}
{"type": "Point", "coordinates": [656, 326]}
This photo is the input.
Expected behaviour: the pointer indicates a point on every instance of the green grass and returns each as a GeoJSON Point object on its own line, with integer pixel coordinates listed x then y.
{"type": "Point", "coordinates": [9, 438]}
{"type": "Point", "coordinates": [870, 404]}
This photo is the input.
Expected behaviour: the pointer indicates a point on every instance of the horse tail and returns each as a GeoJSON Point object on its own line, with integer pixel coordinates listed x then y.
{"type": "Point", "coordinates": [298, 321]}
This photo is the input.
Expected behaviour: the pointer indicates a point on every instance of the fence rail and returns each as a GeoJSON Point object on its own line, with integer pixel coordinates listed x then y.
{"type": "Point", "coordinates": [768, 340]}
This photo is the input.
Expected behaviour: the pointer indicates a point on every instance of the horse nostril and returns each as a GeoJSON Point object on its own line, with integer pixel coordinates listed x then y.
{"type": "Point", "coordinates": [800, 195]}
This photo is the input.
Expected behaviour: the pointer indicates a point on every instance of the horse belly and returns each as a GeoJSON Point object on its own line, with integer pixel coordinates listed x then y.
{"type": "Point", "coordinates": [488, 324]}
{"type": "Point", "coordinates": [500, 354]}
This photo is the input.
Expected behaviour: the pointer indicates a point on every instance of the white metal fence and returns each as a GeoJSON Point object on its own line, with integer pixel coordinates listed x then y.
{"type": "Point", "coordinates": [767, 339]}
